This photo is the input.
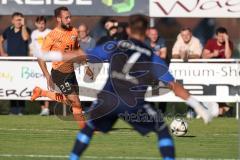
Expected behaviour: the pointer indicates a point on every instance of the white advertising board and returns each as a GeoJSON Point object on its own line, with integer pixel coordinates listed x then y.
{"type": "Point", "coordinates": [195, 8]}
{"type": "Point", "coordinates": [207, 81]}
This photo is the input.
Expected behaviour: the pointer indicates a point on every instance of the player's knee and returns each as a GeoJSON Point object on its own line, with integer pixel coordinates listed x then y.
{"type": "Point", "coordinates": [74, 100]}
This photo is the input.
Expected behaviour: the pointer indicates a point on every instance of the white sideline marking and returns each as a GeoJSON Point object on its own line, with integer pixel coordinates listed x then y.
{"type": "Point", "coordinates": [28, 129]}
{"type": "Point", "coordinates": [95, 157]}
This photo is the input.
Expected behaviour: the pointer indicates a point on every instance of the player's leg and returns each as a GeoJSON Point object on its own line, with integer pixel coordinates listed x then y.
{"type": "Point", "coordinates": [77, 109]}
{"type": "Point", "coordinates": [102, 123]}
{"type": "Point", "coordinates": [59, 97]}
{"type": "Point", "coordinates": [149, 119]}
{"type": "Point", "coordinates": [73, 97]}
{"type": "Point", "coordinates": [82, 141]}
{"type": "Point", "coordinates": [207, 112]}
{"type": "Point", "coordinates": [44, 108]}
{"type": "Point", "coordinates": [179, 91]}
{"type": "Point", "coordinates": [166, 144]}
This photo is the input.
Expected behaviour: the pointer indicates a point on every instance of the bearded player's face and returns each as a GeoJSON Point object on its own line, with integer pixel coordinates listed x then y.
{"type": "Point", "coordinates": [65, 20]}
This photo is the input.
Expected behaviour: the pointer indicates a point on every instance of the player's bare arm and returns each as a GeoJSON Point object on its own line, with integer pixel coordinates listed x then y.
{"type": "Point", "coordinates": [78, 56]}
{"type": "Point", "coordinates": [43, 67]}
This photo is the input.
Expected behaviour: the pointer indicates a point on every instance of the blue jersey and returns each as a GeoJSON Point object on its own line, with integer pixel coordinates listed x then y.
{"type": "Point", "coordinates": [133, 67]}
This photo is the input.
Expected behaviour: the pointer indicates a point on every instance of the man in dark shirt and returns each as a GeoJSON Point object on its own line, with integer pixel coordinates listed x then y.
{"type": "Point", "coordinates": [114, 32]}
{"type": "Point", "coordinates": [17, 36]}
{"type": "Point", "coordinates": [156, 43]}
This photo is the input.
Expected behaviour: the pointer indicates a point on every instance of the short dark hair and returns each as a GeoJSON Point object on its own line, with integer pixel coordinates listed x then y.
{"type": "Point", "coordinates": [221, 30]}
{"type": "Point", "coordinates": [40, 19]}
{"type": "Point", "coordinates": [154, 28]}
{"type": "Point", "coordinates": [186, 29]}
{"type": "Point", "coordinates": [17, 14]}
{"type": "Point", "coordinates": [138, 24]}
{"type": "Point", "coordinates": [57, 11]}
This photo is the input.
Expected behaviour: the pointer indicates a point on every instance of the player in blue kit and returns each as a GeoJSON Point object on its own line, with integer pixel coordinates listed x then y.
{"type": "Point", "coordinates": [133, 67]}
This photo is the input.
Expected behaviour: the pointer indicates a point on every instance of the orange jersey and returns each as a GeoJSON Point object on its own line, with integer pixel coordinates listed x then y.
{"type": "Point", "coordinates": [59, 40]}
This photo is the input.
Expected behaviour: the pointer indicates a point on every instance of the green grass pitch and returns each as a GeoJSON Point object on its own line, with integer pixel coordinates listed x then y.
{"type": "Point", "coordinates": [49, 138]}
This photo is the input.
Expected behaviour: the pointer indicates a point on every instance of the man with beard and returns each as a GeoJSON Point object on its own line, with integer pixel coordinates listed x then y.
{"type": "Point", "coordinates": [62, 39]}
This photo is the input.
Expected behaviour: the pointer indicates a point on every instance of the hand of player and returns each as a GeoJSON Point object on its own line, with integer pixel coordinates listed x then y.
{"type": "Point", "coordinates": [89, 72]}
{"type": "Point", "coordinates": [50, 84]}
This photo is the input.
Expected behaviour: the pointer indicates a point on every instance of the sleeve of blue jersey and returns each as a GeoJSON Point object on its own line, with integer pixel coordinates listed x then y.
{"type": "Point", "coordinates": [97, 54]}
{"type": "Point", "coordinates": [160, 70]}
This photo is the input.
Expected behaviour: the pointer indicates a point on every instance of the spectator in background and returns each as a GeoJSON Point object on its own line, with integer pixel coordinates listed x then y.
{"type": "Point", "coordinates": [99, 30]}
{"type": "Point", "coordinates": [158, 47]}
{"type": "Point", "coordinates": [187, 46]}
{"type": "Point", "coordinates": [37, 37]}
{"type": "Point", "coordinates": [17, 36]}
{"type": "Point", "coordinates": [220, 46]}
{"type": "Point", "coordinates": [156, 43]}
{"type": "Point", "coordinates": [114, 32]}
{"type": "Point", "coordinates": [85, 41]}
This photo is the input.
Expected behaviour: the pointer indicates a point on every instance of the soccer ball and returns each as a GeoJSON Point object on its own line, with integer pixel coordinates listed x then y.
{"type": "Point", "coordinates": [179, 127]}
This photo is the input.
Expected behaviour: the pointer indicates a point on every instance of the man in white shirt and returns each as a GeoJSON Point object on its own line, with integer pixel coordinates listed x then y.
{"type": "Point", "coordinates": [187, 46]}
{"type": "Point", "coordinates": [39, 34]}
{"type": "Point", "coordinates": [37, 37]}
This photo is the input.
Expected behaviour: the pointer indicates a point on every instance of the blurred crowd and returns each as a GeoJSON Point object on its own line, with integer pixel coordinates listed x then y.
{"type": "Point", "coordinates": [194, 41]}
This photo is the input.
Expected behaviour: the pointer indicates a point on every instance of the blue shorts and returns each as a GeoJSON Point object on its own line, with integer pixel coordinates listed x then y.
{"type": "Point", "coordinates": [143, 117]}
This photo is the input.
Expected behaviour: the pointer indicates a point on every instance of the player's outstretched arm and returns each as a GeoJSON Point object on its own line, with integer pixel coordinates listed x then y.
{"type": "Point", "coordinates": [77, 56]}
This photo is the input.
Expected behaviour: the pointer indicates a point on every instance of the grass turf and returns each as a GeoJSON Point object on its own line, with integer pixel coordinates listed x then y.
{"type": "Point", "coordinates": [35, 135]}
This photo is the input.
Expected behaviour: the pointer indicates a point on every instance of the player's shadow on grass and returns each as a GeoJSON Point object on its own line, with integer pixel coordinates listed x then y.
{"type": "Point", "coordinates": [190, 136]}
{"type": "Point", "coordinates": [121, 128]}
